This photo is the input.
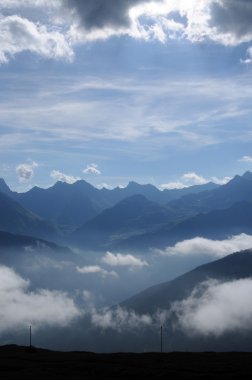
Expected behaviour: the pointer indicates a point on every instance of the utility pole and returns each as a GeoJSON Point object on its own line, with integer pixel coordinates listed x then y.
{"type": "Point", "coordinates": [30, 337]}
{"type": "Point", "coordinates": [161, 339]}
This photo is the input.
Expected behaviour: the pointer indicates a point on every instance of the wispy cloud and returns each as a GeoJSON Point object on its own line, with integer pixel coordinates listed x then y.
{"type": "Point", "coordinates": [97, 270]}
{"type": "Point", "coordinates": [118, 259]}
{"type": "Point", "coordinates": [203, 246]}
{"type": "Point", "coordinates": [246, 159]}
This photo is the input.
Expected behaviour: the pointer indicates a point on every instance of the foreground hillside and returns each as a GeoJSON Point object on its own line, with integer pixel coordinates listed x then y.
{"type": "Point", "coordinates": [19, 362]}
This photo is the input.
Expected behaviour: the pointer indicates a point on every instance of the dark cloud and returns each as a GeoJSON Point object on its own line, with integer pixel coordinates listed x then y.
{"type": "Point", "coordinates": [233, 16]}
{"type": "Point", "coordinates": [98, 14]}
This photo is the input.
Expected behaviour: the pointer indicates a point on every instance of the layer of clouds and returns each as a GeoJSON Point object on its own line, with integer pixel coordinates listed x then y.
{"type": "Point", "coordinates": [59, 176]}
{"type": "Point", "coordinates": [96, 269]}
{"type": "Point", "coordinates": [20, 307]}
{"type": "Point", "coordinates": [215, 308]}
{"type": "Point", "coordinates": [192, 179]}
{"type": "Point", "coordinates": [51, 29]}
{"type": "Point", "coordinates": [118, 259]}
{"type": "Point", "coordinates": [215, 248]}
{"type": "Point", "coordinates": [92, 169]}
{"type": "Point", "coordinates": [25, 171]}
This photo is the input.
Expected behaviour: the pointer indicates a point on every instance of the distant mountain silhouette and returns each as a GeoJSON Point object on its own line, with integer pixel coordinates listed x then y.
{"type": "Point", "coordinates": [128, 217]}
{"type": "Point", "coordinates": [15, 219]}
{"type": "Point", "coordinates": [4, 188]}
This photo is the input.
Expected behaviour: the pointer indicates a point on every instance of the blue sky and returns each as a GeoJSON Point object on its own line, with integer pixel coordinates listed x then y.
{"type": "Point", "coordinates": [113, 90]}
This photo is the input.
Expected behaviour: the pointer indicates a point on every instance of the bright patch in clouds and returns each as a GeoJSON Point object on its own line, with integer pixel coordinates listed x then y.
{"type": "Point", "coordinates": [92, 169]}
{"type": "Point", "coordinates": [216, 308]}
{"type": "Point", "coordinates": [215, 248]}
{"type": "Point", "coordinates": [246, 159]}
{"type": "Point", "coordinates": [118, 259]}
{"type": "Point", "coordinates": [25, 171]}
{"type": "Point", "coordinates": [59, 176]}
{"type": "Point", "coordinates": [20, 307]}
{"type": "Point", "coordinates": [96, 269]}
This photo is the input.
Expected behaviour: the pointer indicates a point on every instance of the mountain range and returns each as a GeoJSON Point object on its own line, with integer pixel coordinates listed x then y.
{"type": "Point", "coordinates": [134, 217]}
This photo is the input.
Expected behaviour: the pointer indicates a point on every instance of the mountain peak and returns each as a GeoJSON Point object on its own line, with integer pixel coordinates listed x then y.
{"type": "Point", "coordinates": [4, 188]}
{"type": "Point", "coordinates": [247, 175]}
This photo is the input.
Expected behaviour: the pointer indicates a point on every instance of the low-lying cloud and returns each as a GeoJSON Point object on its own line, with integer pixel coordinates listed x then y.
{"type": "Point", "coordinates": [20, 307]}
{"type": "Point", "coordinates": [203, 246]}
{"type": "Point", "coordinates": [96, 269]}
{"type": "Point", "coordinates": [215, 308]}
{"type": "Point", "coordinates": [118, 259]}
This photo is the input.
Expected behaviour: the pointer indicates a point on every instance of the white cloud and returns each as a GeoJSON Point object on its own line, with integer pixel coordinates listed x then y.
{"type": "Point", "coordinates": [92, 169]}
{"type": "Point", "coordinates": [194, 178]}
{"type": "Point", "coordinates": [96, 269]}
{"type": "Point", "coordinates": [59, 176]}
{"type": "Point", "coordinates": [118, 259]}
{"type": "Point", "coordinates": [25, 171]}
{"type": "Point", "coordinates": [246, 159]}
{"type": "Point", "coordinates": [172, 185]}
{"type": "Point", "coordinates": [221, 181]}
{"type": "Point", "coordinates": [215, 308]}
{"type": "Point", "coordinates": [20, 34]}
{"type": "Point", "coordinates": [215, 248]}
{"type": "Point", "coordinates": [120, 319]}
{"type": "Point", "coordinates": [20, 307]}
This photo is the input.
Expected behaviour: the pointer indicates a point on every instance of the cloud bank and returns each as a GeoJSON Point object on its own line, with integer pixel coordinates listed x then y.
{"type": "Point", "coordinates": [20, 307]}
{"type": "Point", "coordinates": [215, 308]}
{"type": "Point", "coordinates": [215, 248]}
{"type": "Point", "coordinates": [51, 29]}
{"type": "Point", "coordinates": [59, 176]}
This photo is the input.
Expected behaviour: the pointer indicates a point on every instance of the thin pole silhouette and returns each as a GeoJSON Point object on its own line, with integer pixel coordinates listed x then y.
{"type": "Point", "coordinates": [161, 339]}
{"type": "Point", "coordinates": [30, 337]}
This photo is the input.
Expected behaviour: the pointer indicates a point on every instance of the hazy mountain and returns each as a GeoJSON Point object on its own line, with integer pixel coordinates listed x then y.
{"type": "Point", "coordinates": [217, 224]}
{"type": "Point", "coordinates": [237, 190]}
{"type": "Point", "coordinates": [129, 217]}
{"type": "Point", "coordinates": [15, 219]}
{"type": "Point", "coordinates": [23, 243]}
{"type": "Point", "coordinates": [235, 266]}
{"type": "Point", "coordinates": [69, 204]}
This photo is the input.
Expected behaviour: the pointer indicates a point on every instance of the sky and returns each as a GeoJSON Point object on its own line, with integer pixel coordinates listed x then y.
{"type": "Point", "coordinates": [111, 91]}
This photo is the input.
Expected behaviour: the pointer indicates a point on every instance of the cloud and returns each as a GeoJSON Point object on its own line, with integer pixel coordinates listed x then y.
{"type": "Point", "coordinates": [96, 269]}
{"type": "Point", "coordinates": [233, 19]}
{"type": "Point", "coordinates": [20, 307]}
{"type": "Point", "coordinates": [59, 176]}
{"type": "Point", "coordinates": [172, 185]}
{"type": "Point", "coordinates": [215, 308]}
{"type": "Point", "coordinates": [246, 159]}
{"type": "Point", "coordinates": [117, 259]}
{"type": "Point", "coordinates": [25, 171]}
{"type": "Point", "coordinates": [194, 178]}
{"type": "Point", "coordinates": [92, 169]}
{"type": "Point", "coordinates": [120, 319]}
{"type": "Point", "coordinates": [20, 34]}
{"type": "Point", "coordinates": [215, 248]}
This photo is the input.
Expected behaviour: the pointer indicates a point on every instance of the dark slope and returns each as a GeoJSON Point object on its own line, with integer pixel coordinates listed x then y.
{"type": "Point", "coordinates": [235, 266]}
{"type": "Point", "coordinates": [131, 216]}
{"type": "Point", "coordinates": [15, 219]}
{"type": "Point", "coordinates": [4, 188]}
{"type": "Point", "coordinates": [14, 241]}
